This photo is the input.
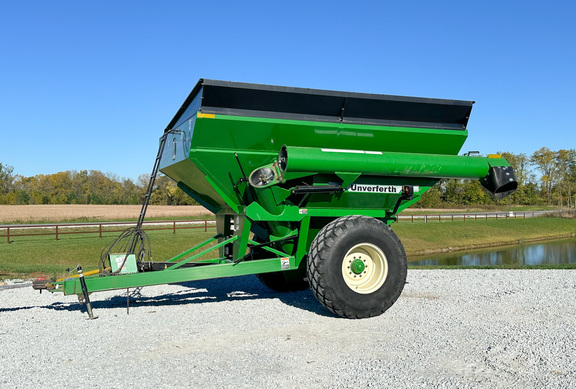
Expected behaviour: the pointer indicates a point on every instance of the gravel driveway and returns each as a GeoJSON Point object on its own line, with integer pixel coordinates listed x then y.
{"type": "Point", "coordinates": [450, 328]}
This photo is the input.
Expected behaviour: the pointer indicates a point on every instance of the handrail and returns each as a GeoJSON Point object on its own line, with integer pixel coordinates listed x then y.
{"type": "Point", "coordinates": [471, 216]}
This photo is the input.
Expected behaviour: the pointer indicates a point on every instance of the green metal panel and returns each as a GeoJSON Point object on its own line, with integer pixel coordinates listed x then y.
{"type": "Point", "coordinates": [215, 142]}
{"type": "Point", "coordinates": [188, 173]}
{"type": "Point", "coordinates": [251, 134]}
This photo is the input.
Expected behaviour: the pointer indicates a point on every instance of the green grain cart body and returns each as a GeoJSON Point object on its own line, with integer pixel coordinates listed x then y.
{"type": "Point", "coordinates": [220, 119]}
{"type": "Point", "coordinates": [304, 184]}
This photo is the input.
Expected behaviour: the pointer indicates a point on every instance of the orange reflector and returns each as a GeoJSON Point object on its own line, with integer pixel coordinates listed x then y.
{"type": "Point", "coordinates": [206, 115]}
{"type": "Point", "coordinates": [494, 156]}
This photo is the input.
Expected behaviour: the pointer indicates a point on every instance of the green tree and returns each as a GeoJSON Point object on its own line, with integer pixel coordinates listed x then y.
{"type": "Point", "coordinates": [566, 163]}
{"type": "Point", "coordinates": [453, 191]}
{"type": "Point", "coordinates": [432, 198]}
{"type": "Point", "coordinates": [522, 169]}
{"type": "Point", "coordinates": [572, 179]}
{"type": "Point", "coordinates": [61, 187]}
{"type": "Point", "coordinates": [546, 161]}
{"type": "Point", "coordinates": [472, 193]}
{"type": "Point", "coordinates": [129, 192]}
{"type": "Point", "coordinates": [6, 178]}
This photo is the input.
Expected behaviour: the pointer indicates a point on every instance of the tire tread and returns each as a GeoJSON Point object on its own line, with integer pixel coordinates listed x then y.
{"type": "Point", "coordinates": [326, 238]}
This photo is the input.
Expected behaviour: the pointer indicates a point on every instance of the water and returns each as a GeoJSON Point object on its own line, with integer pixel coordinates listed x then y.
{"type": "Point", "coordinates": [556, 252]}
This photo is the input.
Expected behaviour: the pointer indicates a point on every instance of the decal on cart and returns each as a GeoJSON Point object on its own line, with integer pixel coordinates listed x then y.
{"type": "Point", "coordinates": [367, 188]}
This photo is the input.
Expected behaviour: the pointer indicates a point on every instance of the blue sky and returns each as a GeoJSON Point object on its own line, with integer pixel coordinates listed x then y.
{"type": "Point", "coordinates": [92, 85]}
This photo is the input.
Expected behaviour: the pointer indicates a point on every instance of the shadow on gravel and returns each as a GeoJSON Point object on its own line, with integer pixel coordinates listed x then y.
{"type": "Point", "coordinates": [205, 291]}
{"type": "Point", "coordinates": [18, 309]}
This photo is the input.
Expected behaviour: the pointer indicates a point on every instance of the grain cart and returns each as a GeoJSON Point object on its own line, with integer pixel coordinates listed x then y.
{"type": "Point", "coordinates": [304, 184]}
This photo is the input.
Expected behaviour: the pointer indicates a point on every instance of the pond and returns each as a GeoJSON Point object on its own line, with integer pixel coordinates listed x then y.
{"type": "Point", "coordinates": [555, 252]}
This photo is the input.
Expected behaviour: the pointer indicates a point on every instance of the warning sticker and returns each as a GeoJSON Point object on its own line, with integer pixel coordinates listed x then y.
{"type": "Point", "coordinates": [284, 263]}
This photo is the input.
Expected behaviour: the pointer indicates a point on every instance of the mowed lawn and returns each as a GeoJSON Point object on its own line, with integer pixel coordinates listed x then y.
{"type": "Point", "coordinates": [46, 256]}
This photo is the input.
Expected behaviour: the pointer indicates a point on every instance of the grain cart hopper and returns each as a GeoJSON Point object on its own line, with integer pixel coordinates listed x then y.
{"type": "Point", "coordinates": [304, 184]}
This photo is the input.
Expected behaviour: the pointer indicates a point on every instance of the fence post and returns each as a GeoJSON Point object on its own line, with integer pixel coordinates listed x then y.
{"type": "Point", "coordinates": [8, 234]}
{"type": "Point", "coordinates": [56, 231]}
{"type": "Point", "coordinates": [100, 230]}
{"type": "Point", "coordinates": [174, 227]}
{"type": "Point", "coordinates": [205, 225]}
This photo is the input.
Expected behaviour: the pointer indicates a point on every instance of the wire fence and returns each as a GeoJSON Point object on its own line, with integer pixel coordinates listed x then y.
{"type": "Point", "coordinates": [10, 232]}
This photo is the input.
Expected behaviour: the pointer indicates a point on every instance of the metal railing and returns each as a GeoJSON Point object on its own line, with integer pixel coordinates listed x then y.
{"type": "Point", "coordinates": [468, 216]}
{"type": "Point", "coordinates": [22, 230]}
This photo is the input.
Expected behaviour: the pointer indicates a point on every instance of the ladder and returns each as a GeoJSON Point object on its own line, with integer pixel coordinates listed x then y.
{"type": "Point", "coordinates": [149, 189]}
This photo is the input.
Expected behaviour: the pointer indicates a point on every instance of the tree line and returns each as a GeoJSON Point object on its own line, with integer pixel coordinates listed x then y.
{"type": "Point", "coordinates": [86, 187]}
{"type": "Point", "coordinates": [546, 177]}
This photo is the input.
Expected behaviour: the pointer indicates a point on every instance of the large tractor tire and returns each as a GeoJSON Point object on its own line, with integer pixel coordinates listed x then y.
{"type": "Point", "coordinates": [357, 267]}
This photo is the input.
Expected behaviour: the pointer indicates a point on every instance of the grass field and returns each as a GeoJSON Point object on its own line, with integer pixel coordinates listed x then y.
{"type": "Point", "coordinates": [423, 238]}
{"type": "Point", "coordinates": [19, 214]}
{"type": "Point", "coordinates": [43, 255]}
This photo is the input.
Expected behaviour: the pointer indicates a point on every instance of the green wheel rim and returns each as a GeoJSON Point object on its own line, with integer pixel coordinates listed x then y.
{"type": "Point", "coordinates": [364, 268]}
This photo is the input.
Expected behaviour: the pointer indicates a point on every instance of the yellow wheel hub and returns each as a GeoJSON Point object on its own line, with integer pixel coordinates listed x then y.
{"type": "Point", "coordinates": [364, 268]}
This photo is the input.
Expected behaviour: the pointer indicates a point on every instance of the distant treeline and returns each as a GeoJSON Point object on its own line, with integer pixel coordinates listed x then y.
{"type": "Point", "coordinates": [86, 187]}
{"type": "Point", "coordinates": [545, 178]}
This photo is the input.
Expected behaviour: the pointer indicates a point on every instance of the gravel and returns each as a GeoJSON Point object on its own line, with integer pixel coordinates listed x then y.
{"type": "Point", "coordinates": [449, 329]}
